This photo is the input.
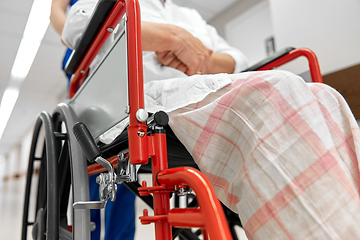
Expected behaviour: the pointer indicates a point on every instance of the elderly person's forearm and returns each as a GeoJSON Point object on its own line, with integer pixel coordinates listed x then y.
{"type": "Point", "coordinates": [221, 63]}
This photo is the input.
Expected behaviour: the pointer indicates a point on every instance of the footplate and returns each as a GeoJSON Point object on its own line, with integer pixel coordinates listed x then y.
{"type": "Point", "coordinates": [89, 205]}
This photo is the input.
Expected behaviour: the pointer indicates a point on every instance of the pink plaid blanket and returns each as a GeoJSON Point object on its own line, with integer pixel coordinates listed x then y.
{"type": "Point", "coordinates": [280, 152]}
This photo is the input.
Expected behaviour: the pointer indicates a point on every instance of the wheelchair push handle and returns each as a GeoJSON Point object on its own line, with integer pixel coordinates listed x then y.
{"type": "Point", "coordinates": [86, 141]}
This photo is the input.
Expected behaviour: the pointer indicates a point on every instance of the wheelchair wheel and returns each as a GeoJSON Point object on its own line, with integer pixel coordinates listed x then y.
{"type": "Point", "coordinates": [53, 188]}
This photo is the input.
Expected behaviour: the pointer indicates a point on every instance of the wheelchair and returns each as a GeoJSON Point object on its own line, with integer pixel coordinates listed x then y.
{"type": "Point", "coordinates": [72, 135]}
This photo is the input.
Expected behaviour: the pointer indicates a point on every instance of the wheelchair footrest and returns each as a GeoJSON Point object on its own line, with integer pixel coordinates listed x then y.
{"type": "Point", "coordinates": [89, 205]}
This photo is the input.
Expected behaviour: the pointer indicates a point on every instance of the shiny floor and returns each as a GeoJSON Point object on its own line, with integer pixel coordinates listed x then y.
{"type": "Point", "coordinates": [11, 209]}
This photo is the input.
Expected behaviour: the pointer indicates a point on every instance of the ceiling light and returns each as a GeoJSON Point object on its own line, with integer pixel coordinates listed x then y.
{"type": "Point", "coordinates": [36, 26]}
{"type": "Point", "coordinates": [24, 58]}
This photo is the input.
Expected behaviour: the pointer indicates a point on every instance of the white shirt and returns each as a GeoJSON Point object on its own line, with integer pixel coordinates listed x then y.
{"type": "Point", "coordinates": [191, 21]}
{"type": "Point", "coordinates": [178, 90]}
{"type": "Point", "coordinates": [155, 11]}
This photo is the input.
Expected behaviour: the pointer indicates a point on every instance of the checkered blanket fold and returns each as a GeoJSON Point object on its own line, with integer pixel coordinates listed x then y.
{"type": "Point", "coordinates": [280, 152]}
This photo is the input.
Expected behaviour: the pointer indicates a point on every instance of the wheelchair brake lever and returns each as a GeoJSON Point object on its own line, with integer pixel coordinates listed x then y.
{"type": "Point", "coordinates": [107, 188]}
{"type": "Point", "coordinates": [92, 152]}
{"type": "Point", "coordinates": [126, 172]}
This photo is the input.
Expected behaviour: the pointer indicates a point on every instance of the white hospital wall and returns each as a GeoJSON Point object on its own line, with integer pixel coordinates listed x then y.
{"type": "Point", "coordinates": [14, 160]}
{"type": "Point", "coordinates": [12, 164]}
{"type": "Point", "coordinates": [249, 30]}
{"type": "Point", "coordinates": [25, 151]}
{"type": "Point", "coordinates": [331, 28]}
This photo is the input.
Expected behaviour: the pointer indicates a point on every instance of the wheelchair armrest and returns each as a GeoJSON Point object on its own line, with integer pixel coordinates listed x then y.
{"type": "Point", "coordinates": [100, 14]}
{"type": "Point", "coordinates": [288, 54]}
{"type": "Point", "coordinates": [270, 59]}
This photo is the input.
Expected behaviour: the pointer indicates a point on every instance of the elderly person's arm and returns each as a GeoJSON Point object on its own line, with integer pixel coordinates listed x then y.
{"type": "Point", "coordinates": [221, 63]}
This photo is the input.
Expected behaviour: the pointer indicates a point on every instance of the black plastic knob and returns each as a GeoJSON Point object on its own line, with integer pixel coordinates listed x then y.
{"type": "Point", "coordinates": [161, 118]}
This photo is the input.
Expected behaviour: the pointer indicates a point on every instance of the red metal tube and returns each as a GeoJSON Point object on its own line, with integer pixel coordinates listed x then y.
{"type": "Point", "coordinates": [161, 199]}
{"type": "Point", "coordinates": [212, 213]}
{"type": "Point", "coordinates": [111, 22]}
{"type": "Point", "coordinates": [205, 234]}
{"type": "Point", "coordinates": [159, 159]}
{"type": "Point", "coordinates": [299, 52]}
{"type": "Point", "coordinates": [186, 217]}
{"type": "Point", "coordinates": [138, 144]}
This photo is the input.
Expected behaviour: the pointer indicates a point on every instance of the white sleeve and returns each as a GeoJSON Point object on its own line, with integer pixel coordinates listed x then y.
{"type": "Point", "coordinates": [220, 45]}
{"type": "Point", "coordinates": [76, 21]}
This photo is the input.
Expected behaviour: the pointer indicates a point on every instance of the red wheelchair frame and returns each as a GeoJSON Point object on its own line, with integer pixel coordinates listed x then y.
{"type": "Point", "coordinates": [209, 216]}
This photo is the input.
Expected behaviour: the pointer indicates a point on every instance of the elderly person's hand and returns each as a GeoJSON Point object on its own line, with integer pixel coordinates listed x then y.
{"type": "Point", "coordinates": [186, 50]}
{"type": "Point", "coordinates": [168, 58]}
{"type": "Point", "coordinates": [175, 47]}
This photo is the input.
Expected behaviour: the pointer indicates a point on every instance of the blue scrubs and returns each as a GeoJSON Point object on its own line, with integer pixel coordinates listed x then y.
{"type": "Point", "coordinates": [119, 215]}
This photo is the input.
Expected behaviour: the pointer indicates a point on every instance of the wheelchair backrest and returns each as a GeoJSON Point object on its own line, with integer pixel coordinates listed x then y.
{"type": "Point", "coordinates": [102, 99]}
